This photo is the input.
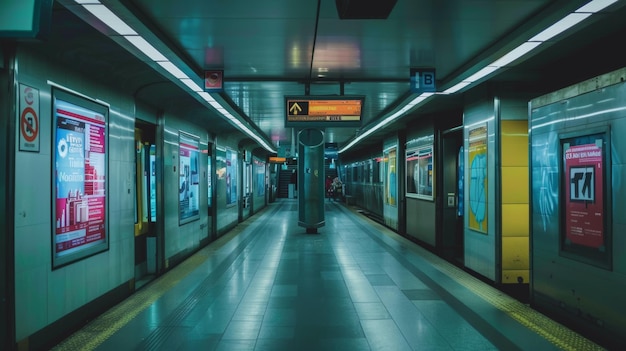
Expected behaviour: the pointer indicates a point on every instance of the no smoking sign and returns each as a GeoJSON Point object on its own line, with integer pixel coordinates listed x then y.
{"type": "Point", "coordinates": [29, 119]}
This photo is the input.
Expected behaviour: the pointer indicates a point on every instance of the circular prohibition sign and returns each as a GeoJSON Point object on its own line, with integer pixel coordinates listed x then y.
{"type": "Point", "coordinates": [29, 130]}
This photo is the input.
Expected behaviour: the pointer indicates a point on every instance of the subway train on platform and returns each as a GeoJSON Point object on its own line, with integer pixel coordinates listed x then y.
{"type": "Point", "coordinates": [525, 194]}
{"type": "Point", "coordinates": [112, 174]}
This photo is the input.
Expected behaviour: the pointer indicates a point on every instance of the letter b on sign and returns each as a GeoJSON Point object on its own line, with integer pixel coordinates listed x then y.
{"type": "Point", "coordinates": [423, 80]}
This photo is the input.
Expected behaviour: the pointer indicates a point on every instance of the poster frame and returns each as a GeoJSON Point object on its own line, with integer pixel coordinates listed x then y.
{"type": "Point", "coordinates": [194, 152]}
{"type": "Point", "coordinates": [232, 179]}
{"type": "Point", "coordinates": [601, 257]}
{"type": "Point", "coordinates": [82, 251]}
{"type": "Point", "coordinates": [478, 145]}
{"type": "Point", "coordinates": [424, 151]}
{"type": "Point", "coordinates": [390, 156]}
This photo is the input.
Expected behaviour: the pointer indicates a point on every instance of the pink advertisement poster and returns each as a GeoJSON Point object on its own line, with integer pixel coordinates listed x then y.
{"type": "Point", "coordinates": [584, 221]}
{"type": "Point", "coordinates": [79, 177]}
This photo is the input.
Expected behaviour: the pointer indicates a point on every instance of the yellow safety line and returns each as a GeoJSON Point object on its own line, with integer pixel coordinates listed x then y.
{"type": "Point", "coordinates": [551, 330]}
{"type": "Point", "coordinates": [100, 329]}
{"type": "Point", "coordinates": [107, 324]}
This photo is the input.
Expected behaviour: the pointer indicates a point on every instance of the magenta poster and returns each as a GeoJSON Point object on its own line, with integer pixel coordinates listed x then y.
{"type": "Point", "coordinates": [80, 175]}
{"type": "Point", "coordinates": [584, 212]}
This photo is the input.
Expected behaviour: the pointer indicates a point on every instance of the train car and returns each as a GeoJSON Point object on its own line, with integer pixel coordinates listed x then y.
{"type": "Point", "coordinates": [363, 184]}
{"type": "Point", "coordinates": [578, 197]}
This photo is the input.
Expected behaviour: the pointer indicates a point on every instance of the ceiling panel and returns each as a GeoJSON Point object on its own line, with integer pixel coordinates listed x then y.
{"type": "Point", "coordinates": [270, 49]}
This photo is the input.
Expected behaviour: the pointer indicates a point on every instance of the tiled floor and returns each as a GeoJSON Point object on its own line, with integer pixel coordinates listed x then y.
{"type": "Point", "coordinates": [353, 286]}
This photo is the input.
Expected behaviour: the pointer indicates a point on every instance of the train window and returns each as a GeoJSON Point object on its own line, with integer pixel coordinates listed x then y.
{"type": "Point", "coordinates": [376, 171]}
{"type": "Point", "coordinates": [585, 173]}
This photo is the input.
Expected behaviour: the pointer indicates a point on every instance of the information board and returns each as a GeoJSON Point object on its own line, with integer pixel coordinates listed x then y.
{"type": "Point", "coordinates": [311, 111]}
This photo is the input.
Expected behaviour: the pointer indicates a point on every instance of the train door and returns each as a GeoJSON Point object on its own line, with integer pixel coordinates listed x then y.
{"type": "Point", "coordinates": [451, 219]}
{"type": "Point", "coordinates": [145, 204]}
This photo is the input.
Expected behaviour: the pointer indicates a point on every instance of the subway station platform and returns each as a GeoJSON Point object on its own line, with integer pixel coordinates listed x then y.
{"type": "Point", "coordinates": [355, 285]}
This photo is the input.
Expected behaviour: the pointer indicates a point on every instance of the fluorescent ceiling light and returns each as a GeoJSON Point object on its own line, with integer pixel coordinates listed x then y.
{"type": "Point", "coordinates": [82, 2]}
{"type": "Point", "coordinates": [456, 87]}
{"type": "Point", "coordinates": [175, 71]}
{"type": "Point", "coordinates": [596, 6]}
{"type": "Point", "coordinates": [559, 27]}
{"type": "Point", "coordinates": [145, 47]}
{"type": "Point", "coordinates": [514, 54]}
{"type": "Point", "coordinates": [110, 19]}
{"type": "Point", "coordinates": [483, 72]}
{"type": "Point", "coordinates": [191, 84]}
{"type": "Point", "coordinates": [387, 120]}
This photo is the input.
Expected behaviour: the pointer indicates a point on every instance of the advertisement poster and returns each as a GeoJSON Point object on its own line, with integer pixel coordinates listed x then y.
{"type": "Point", "coordinates": [419, 172]}
{"type": "Point", "coordinates": [460, 210]}
{"type": "Point", "coordinates": [231, 177]}
{"type": "Point", "coordinates": [189, 178]}
{"type": "Point", "coordinates": [80, 175]}
{"type": "Point", "coordinates": [477, 187]}
{"type": "Point", "coordinates": [391, 183]}
{"type": "Point", "coordinates": [209, 179]}
{"type": "Point", "coordinates": [260, 177]}
{"type": "Point", "coordinates": [584, 206]}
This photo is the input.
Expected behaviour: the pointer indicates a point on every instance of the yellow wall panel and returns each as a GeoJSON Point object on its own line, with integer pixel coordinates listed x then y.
{"type": "Point", "coordinates": [514, 170]}
{"type": "Point", "coordinates": [514, 143]}
{"type": "Point", "coordinates": [515, 253]}
{"type": "Point", "coordinates": [515, 220]}
{"type": "Point", "coordinates": [514, 185]}
{"type": "Point", "coordinates": [510, 276]}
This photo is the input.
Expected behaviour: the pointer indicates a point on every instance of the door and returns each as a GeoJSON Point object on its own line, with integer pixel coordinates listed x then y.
{"type": "Point", "coordinates": [145, 204]}
{"type": "Point", "coordinates": [452, 192]}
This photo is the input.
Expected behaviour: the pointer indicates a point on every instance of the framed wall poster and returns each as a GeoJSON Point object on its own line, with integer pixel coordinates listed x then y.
{"type": "Point", "coordinates": [419, 172]}
{"type": "Point", "coordinates": [391, 177]}
{"type": "Point", "coordinates": [231, 177]}
{"type": "Point", "coordinates": [260, 177]}
{"type": "Point", "coordinates": [478, 178]}
{"type": "Point", "coordinates": [189, 178]}
{"type": "Point", "coordinates": [79, 178]}
{"type": "Point", "coordinates": [586, 204]}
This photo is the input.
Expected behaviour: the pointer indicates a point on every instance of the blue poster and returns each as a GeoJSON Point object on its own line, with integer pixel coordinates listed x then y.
{"type": "Point", "coordinates": [460, 182]}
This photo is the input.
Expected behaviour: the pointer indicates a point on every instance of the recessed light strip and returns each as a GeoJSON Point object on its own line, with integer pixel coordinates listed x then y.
{"type": "Point", "coordinates": [555, 29]}
{"type": "Point", "coordinates": [106, 16]}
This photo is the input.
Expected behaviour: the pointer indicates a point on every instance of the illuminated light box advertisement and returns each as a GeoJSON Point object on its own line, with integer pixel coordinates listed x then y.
{"type": "Point", "coordinates": [231, 177]}
{"type": "Point", "coordinates": [80, 172]}
{"type": "Point", "coordinates": [391, 175]}
{"type": "Point", "coordinates": [260, 177]}
{"type": "Point", "coordinates": [478, 179]}
{"type": "Point", "coordinates": [189, 178]}
{"type": "Point", "coordinates": [586, 203]}
{"type": "Point", "coordinates": [584, 207]}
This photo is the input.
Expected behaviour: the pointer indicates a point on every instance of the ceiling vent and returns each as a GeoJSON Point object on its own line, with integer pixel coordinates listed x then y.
{"type": "Point", "coordinates": [364, 9]}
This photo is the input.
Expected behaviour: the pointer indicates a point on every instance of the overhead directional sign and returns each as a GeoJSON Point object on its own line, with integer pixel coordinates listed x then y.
{"type": "Point", "coordinates": [318, 111]}
{"type": "Point", "coordinates": [423, 80]}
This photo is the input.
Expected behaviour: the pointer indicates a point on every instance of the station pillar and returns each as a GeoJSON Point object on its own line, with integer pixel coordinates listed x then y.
{"type": "Point", "coordinates": [311, 179]}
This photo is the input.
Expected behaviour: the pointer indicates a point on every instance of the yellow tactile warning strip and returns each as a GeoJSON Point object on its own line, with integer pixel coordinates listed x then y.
{"type": "Point", "coordinates": [107, 324]}
{"type": "Point", "coordinates": [556, 333]}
